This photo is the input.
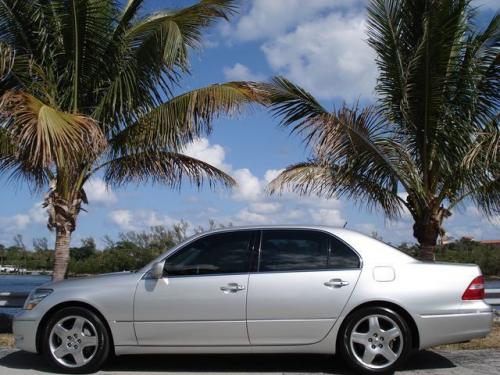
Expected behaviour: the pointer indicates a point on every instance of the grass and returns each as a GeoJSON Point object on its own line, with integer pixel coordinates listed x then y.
{"type": "Point", "coordinates": [6, 340]}
{"type": "Point", "coordinates": [492, 341]}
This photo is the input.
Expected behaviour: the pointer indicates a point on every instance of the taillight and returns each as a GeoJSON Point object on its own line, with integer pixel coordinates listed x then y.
{"type": "Point", "coordinates": [475, 290]}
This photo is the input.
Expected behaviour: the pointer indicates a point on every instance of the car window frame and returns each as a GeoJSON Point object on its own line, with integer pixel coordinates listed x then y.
{"type": "Point", "coordinates": [330, 236]}
{"type": "Point", "coordinates": [251, 248]}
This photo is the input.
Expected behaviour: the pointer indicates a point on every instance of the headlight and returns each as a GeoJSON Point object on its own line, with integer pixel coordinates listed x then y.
{"type": "Point", "coordinates": [35, 298]}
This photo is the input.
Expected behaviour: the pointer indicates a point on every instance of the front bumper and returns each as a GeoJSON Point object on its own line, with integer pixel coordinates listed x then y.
{"type": "Point", "coordinates": [25, 333]}
{"type": "Point", "coordinates": [452, 328]}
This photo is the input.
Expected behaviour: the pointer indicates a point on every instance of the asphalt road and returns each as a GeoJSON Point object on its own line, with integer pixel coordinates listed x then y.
{"type": "Point", "coordinates": [465, 362]}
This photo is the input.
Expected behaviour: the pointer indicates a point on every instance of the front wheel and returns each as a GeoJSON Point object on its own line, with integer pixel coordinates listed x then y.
{"type": "Point", "coordinates": [375, 340]}
{"type": "Point", "coordinates": [76, 341]}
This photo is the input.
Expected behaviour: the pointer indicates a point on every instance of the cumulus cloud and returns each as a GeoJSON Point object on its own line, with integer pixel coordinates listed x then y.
{"type": "Point", "coordinates": [123, 219]}
{"type": "Point", "coordinates": [17, 223]}
{"type": "Point", "coordinates": [212, 154]}
{"type": "Point", "coordinates": [320, 44]}
{"type": "Point", "coordinates": [139, 219]}
{"type": "Point", "coordinates": [240, 72]}
{"type": "Point", "coordinates": [97, 192]}
{"type": "Point", "coordinates": [328, 57]}
{"type": "Point", "coordinates": [268, 19]}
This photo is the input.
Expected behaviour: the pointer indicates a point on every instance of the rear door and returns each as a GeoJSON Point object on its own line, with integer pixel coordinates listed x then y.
{"type": "Point", "coordinates": [303, 281]}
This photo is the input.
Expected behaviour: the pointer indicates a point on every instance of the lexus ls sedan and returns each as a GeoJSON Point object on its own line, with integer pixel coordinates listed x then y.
{"type": "Point", "coordinates": [279, 289]}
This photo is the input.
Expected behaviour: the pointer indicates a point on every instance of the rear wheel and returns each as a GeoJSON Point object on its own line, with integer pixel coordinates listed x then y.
{"type": "Point", "coordinates": [375, 340]}
{"type": "Point", "coordinates": [76, 341]}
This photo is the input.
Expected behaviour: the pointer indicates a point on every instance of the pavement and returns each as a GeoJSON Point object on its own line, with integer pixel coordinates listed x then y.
{"type": "Point", "coordinates": [463, 362]}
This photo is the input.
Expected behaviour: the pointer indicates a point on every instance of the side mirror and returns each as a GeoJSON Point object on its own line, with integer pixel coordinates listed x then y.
{"type": "Point", "coordinates": [157, 270]}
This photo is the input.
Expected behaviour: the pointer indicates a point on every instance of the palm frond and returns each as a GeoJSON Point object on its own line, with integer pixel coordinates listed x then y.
{"type": "Point", "coordinates": [316, 177]}
{"type": "Point", "coordinates": [7, 56]}
{"type": "Point", "coordinates": [167, 168]}
{"type": "Point", "coordinates": [153, 55]}
{"type": "Point", "coordinates": [185, 117]}
{"type": "Point", "coordinates": [291, 103]}
{"type": "Point", "coordinates": [44, 135]}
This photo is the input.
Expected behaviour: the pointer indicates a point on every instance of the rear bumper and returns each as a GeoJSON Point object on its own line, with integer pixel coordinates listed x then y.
{"type": "Point", "coordinates": [452, 328]}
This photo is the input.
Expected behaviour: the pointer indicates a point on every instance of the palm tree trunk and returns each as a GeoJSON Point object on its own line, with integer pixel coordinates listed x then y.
{"type": "Point", "coordinates": [61, 254]}
{"type": "Point", "coordinates": [426, 231]}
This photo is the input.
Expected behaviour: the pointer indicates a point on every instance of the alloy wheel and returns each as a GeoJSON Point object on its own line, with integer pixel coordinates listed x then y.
{"type": "Point", "coordinates": [73, 341]}
{"type": "Point", "coordinates": [376, 341]}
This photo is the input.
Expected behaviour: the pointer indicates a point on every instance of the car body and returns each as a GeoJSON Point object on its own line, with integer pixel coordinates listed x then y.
{"type": "Point", "coordinates": [275, 289]}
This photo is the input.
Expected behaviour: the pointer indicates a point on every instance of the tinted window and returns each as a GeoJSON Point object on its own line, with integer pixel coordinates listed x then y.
{"type": "Point", "coordinates": [214, 254]}
{"type": "Point", "coordinates": [293, 250]}
{"type": "Point", "coordinates": [341, 256]}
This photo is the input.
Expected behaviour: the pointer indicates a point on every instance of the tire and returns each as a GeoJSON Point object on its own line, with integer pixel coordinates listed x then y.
{"type": "Point", "coordinates": [75, 341]}
{"type": "Point", "coordinates": [379, 332]}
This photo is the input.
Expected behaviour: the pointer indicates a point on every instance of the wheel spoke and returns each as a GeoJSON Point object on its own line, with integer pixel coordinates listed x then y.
{"type": "Point", "coordinates": [61, 351]}
{"type": "Point", "coordinates": [368, 356]}
{"type": "Point", "coordinates": [78, 325]}
{"type": "Point", "coordinates": [360, 338]}
{"type": "Point", "coordinates": [388, 354]}
{"type": "Point", "coordinates": [60, 331]}
{"type": "Point", "coordinates": [392, 333]}
{"type": "Point", "coordinates": [89, 341]}
{"type": "Point", "coordinates": [78, 357]}
{"type": "Point", "coordinates": [374, 324]}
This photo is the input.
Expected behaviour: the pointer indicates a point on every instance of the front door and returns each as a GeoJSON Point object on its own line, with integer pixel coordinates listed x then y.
{"type": "Point", "coordinates": [201, 300]}
{"type": "Point", "coordinates": [303, 281]}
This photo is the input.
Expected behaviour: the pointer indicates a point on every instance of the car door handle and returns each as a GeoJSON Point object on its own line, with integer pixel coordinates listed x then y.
{"type": "Point", "coordinates": [336, 283]}
{"type": "Point", "coordinates": [232, 288]}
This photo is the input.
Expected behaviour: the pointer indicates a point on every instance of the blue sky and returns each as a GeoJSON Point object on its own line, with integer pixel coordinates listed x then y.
{"type": "Point", "coordinates": [318, 44]}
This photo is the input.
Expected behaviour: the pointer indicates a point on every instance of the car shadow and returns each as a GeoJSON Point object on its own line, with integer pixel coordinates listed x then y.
{"type": "Point", "coordinates": [224, 363]}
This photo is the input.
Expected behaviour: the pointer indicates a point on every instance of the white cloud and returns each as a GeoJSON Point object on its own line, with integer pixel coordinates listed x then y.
{"type": "Point", "coordinates": [17, 223]}
{"type": "Point", "coordinates": [212, 154]}
{"type": "Point", "coordinates": [98, 192]}
{"type": "Point", "coordinates": [270, 18]}
{"type": "Point", "coordinates": [249, 187]}
{"type": "Point", "coordinates": [123, 219]}
{"type": "Point", "coordinates": [139, 219]}
{"type": "Point", "coordinates": [325, 216]}
{"type": "Point", "coordinates": [240, 72]}
{"type": "Point", "coordinates": [271, 174]}
{"type": "Point", "coordinates": [327, 56]}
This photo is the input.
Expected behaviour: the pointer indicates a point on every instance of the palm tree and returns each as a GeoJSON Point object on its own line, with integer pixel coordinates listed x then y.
{"type": "Point", "coordinates": [87, 86]}
{"type": "Point", "coordinates": [430, 142]}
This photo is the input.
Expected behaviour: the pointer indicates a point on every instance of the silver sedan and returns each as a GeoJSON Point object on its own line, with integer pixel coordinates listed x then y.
{"type": "Point", "coordinates": [277, 289]}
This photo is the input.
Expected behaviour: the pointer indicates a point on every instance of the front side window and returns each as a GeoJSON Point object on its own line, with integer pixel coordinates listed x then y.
{"type": "Point", "coordinates": [304, 250]}
{"type": "Point", "coordinates": [220, 253]}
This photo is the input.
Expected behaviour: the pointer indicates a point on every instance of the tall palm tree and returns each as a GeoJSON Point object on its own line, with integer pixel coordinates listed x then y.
{"type": "Point", "coordinates": [87, 87]}
{"type": "Point", "coordinates": [430, 142]}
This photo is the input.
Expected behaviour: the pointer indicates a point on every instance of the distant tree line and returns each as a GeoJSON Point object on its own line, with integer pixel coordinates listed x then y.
{"type": "Point", "coordinates": [134, 249]}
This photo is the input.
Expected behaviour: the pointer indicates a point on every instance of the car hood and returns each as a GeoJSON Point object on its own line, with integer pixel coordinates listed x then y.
{"type": "Point", "coordinates": [100, 280]}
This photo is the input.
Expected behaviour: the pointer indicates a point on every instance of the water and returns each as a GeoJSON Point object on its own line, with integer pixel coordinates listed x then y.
{"type": "Point", "coordinates": [25, 283]}
{"type": "Point", "coordinates": [19, 283]}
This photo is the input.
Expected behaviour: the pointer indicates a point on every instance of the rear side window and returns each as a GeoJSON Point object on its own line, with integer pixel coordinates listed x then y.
{"type": "Point", "coordinates": [214, 254]}
{"type": "Point", "coordinates": [303, 250]}
{"type": "Point", "coordinates": [293, 250]}
{"type": "Point", "coordinates": [341, 256]}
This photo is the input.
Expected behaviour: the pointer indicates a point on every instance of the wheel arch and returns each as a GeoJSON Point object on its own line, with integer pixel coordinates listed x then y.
{"type": "Point", "coordinates": [63, 305]}
{"type": "Point", "coordinates": [390, 305]}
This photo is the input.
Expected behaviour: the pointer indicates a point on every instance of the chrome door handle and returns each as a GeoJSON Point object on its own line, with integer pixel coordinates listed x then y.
{"type": "Point", "coordinates": [232, 288]}
{"type": "Point", "coordinates": [336, 283]}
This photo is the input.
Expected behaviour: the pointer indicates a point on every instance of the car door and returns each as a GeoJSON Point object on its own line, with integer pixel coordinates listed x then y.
{"type": "Point", "coordinates": [303, 281]}
{"type": "Point", "coordinates": [201, 300]}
